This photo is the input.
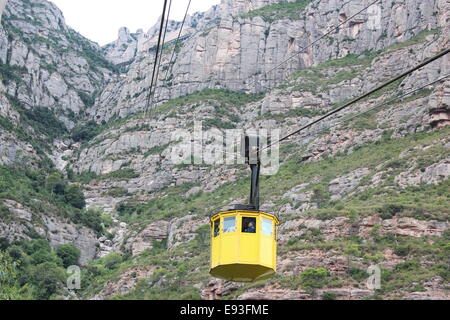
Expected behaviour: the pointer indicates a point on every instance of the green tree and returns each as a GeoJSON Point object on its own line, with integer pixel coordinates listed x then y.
{"type": "Point", "coordinates": [112, 260]}
{"type": "Point", "coordinates": [55, 184]}
{"type": "Point", "coordinates": [69, 254]}
{"type": "Point", "coordinates": [92, 218]}
{"type": "Point", "coordinates": [321, 196]}
{"type": "Point", "coordinates": [43, 255]}
{"type": "Point", "coordinates": [75, 197]}
{"type": "Point", "coordinates": [329, 296]}
{"type": "Point", "coordinates": [314, 278]}
{"type": "Point", "coordinates": [48, 279]}
{"type": "Point", "coordinates": [9, 287]}
{"type": "Point", "coordinates": [352, 250]}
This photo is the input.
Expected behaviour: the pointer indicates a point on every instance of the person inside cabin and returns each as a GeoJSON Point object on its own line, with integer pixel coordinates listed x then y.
{"type": "Point", "coordinates": [250, 228]}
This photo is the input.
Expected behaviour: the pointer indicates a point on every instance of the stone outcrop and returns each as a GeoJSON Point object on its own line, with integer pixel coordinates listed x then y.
{"type": "Point", "coordinates": [285, 294]}
{"type": "Point", "coordinates": [57, 230]}
{"type": "Point", "coordinates": [130, 46]}
{"type": "Point", "coordinates": [433, 174]}
{"type": "Point", "coordinates": [57, 64]}
{"type": "Point", "coordinates": [2, 7]}
{"type": "Point", "coordinates": [342, 227]}
{"type": "Point", "coordinates": [126, 283]}
{"type": "Point", "coordinates": [216, 289]}
{"type": "Point", "coordinates": [342, 185]}
{"type": "Point", "coordinates": [156, 231]}
{"type": "Point", "coordinates": [183, 230]}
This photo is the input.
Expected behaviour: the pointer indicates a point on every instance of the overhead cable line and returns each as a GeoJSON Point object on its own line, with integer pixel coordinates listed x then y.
{"type": "Point", "coordinates": [176, 42]}
{"type": "Point", "coordinates": [162, 48]}
{"type": "Point", "coordinates": [399, 97]}
{"type": "Point", "coordinates": [158, 47]}
{"type": "Point", "coordinates": [348, 104]}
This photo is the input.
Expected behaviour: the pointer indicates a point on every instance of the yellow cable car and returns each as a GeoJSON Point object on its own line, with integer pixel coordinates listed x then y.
{"type": "Point", "coordinates": [243, 239]}
{"type": "Point", "coordinates": [243, 245]}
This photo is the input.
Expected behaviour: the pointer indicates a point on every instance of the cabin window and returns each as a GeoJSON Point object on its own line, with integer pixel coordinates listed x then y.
{"type": "Point", "coordinates": [248, 225]}
{"type": "Point", "coordinates": [267, 227]}
{"type": "Point", "coordinates": [229, 224]}
{"type": "Point", "coordinates": [216, 227]}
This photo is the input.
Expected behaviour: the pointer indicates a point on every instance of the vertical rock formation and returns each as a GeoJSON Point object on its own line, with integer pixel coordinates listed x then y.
{"type": "Point", "coordinates": [2, 7]}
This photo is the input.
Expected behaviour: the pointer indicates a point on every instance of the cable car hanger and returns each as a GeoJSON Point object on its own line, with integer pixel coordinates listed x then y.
{"type": "Point", "coordinates": [243, 239]}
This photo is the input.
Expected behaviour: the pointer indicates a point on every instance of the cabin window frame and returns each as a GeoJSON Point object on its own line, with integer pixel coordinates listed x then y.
{"type": "Point", "coordinates": [230, 228]}
{"type": "Point", "coordinates": [254, 221]}
{"type": "Point", "coordinates": [216, 223]}
{"type": "Point", "coordinates": [263, 230]}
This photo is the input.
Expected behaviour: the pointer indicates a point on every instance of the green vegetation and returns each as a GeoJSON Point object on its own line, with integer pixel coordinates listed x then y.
{"type": "Point", "coordinates": [278, 11]}
{"type": "Point", "coordinates": [10, 289]}
{"type": "Point", "coordinates": [218, 97]}
{"type": "Point", "coordinates": [10, 73]}
{"type": "Point", "coordinates": [87, 99]}
{"type": "Point", "coordinates": [69, 254]}
{"type": "Point", "coordinates": [87, 131]}
{"type": "Point", "coordinates": [329, 296]}
{"type": "Point", "coordinates": [117, 192]}
{"type": "Point", "coordinates": [47, 192]}
{"type": "Point", "coordinates": [419, 38]}
{"type": "Point", "coordinates": [293, 113]}
{"type": "Point", "coordinates": [86, 177]}
{"type": "Point", "coordinates": [43, 121]}
{"type": "Point", "coordinates": [175, 276]}
{"type": "Point", "coordinates": [317, 79]}
{"type": "Point", "coordinates": [38, 126]}
{"type": "Point", "coordinates": [226, 105]}
{"type": "Point", "coordinates": [217, 123]}
{"type": "Point", "coordinates": [33, 270]}
{"type": "Point", "coordinates": [160, 207]}
{"type": "Point", "coordinates": [156, 150]}
{"type": "Point", "coordinates": [314, 278]}
{"type": "Point", "coordinates": [74, 196]}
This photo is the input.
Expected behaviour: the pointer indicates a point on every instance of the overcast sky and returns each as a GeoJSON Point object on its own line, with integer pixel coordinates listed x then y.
{"type": "Point", "coordinates": [100, 20]}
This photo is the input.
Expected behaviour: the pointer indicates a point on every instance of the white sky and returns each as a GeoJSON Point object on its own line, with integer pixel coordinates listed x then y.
{"type": "Point", "coordinates": [100, 20]}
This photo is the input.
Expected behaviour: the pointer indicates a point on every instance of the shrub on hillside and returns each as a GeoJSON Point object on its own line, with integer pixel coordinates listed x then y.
{"type": "Point", "coordinates": [69, 254]}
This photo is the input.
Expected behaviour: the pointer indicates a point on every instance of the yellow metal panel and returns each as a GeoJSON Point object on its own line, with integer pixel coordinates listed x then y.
{"type": "Point", "coordinates": [215, 247]}
{"type": "Point", "coordinates": [249, 248]}
{"type": "Point", "coordinates": [266, 251]}
{"type": "Point", "coordinates": [229, 246]}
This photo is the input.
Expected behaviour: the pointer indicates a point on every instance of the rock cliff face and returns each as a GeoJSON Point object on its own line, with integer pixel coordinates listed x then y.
{"type": "Point", "coordinates": [238, 50]}
{"type": "Point", "coordinates": [351, 193]}
{"type": "Point", "coordinates": [49, 77]}
{"type": "Point", "coordinates": [130, 46]}
{"type": "Point", "coordinates": [56, 64]}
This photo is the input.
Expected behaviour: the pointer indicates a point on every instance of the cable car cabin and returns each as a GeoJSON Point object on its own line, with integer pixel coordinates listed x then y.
{"type": "Point", "coordinates": [243, 239]}
{"type": "Point", "coordinates": [243, 245]}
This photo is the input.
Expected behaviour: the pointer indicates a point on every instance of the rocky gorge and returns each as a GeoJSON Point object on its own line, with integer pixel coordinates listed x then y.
{"type": "Point", "coordinates": [352, 193]}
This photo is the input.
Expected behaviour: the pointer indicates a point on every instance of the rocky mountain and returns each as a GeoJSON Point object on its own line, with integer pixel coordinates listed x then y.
{"type": "Point", "coordinates": [130, 46]}
{"type": "Point", "coordinates": [353, 192]}
{"type": "Point", "coordinates": [238, 50]}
